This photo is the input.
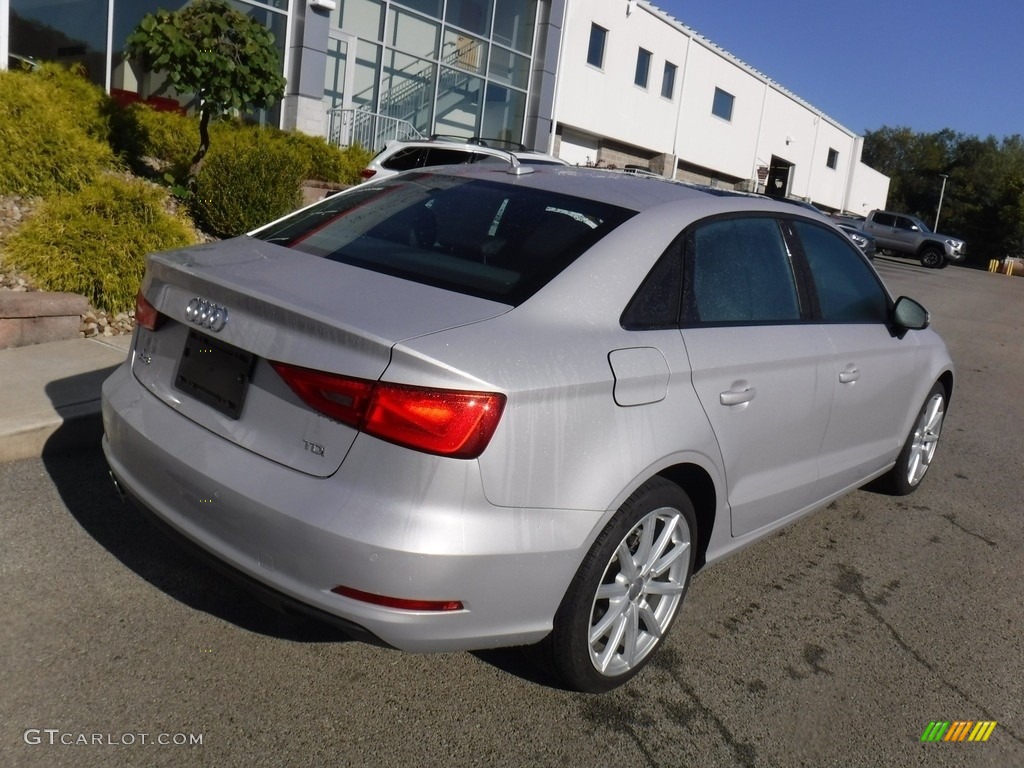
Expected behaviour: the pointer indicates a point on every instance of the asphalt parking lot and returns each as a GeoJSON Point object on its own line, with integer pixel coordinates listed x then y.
{"type": "Point", "coordinates": [833, 643]}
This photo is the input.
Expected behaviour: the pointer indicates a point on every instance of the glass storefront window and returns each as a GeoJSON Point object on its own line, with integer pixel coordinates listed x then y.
{"type": "Point", "coordinates": [464, 52]}
{"type": "Point", "coordinates": [451, 80]}
{"type": "Point", "coordinates": [368, 57]}
{"type": "Point", "coordinates": [429, 7]}
{"type": "Point", "coordinates": [65, 31]}
{"type": "Point", "coordinates": [509, 68]}
{"type": "Point", "coordinates": [513, 23]}
{"type": "Point", "coordinates": [364, 18]}
{"type": "Point", "coordinates": [334, 75]}
{"type": "Point", "coordinates": [408, 90]}
{"type": "Point", "coordinates": [504, 112]}
{"type": "Point", "coordinates": [471, 15]}
{"type": "Point", "coordinates": [458, 103]}
{"type": "Point", "coordinates": [413, 34]}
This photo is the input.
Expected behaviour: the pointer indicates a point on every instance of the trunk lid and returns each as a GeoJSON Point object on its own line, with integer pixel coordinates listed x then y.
{"type": "Point", "coordinates": [265, 302]}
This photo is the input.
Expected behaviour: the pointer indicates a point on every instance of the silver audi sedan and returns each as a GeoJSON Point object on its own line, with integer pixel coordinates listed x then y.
{"type": "Point", "coordinates": [508, 405]}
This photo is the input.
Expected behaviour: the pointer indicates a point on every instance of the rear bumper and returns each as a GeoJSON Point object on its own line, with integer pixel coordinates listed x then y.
{"type": "Point", "coordinates": [264, 593]}
{"type": "Point", "coordinates": [389, 522]}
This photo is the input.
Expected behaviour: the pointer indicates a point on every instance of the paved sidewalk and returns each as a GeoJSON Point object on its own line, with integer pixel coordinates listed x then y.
{"type": "Point", "coordinates": [50, 394]}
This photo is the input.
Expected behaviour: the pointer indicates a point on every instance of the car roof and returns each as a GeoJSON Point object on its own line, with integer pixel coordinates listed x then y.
{"type": "Point", "coordinates": [471, 144]}
{"type": "Point", "coordinates": [628, 190]}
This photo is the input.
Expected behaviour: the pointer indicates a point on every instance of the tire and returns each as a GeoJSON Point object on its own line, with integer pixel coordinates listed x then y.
{"type": "Point", "coordinates": [932, 257]}
{"type": "Point", "coordinates": [627, 591]}
{"type": "Point", "coordinates": [919, 450]}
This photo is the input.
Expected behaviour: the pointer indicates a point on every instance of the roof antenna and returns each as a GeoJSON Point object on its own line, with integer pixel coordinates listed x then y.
{"type": "Point", "coordinates": [516, 168]}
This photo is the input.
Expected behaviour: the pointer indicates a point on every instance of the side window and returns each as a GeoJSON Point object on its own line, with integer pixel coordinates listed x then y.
{"type": "Point", "coordinates": [884, 219]}
{"type": "Point", "coordinates": [405, 159]}
{"type": "Point", "coordinates": [902, 222]}
{"type": "Point", "coordinates": [848, 291]}
{"type": "Point", "coordinates": [739, 271]}
{"type": "Point", "coordinates": [439, 156]}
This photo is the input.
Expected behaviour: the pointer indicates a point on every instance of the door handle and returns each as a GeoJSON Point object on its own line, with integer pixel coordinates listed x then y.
{"type": "Point", "coordinates": [733, 397]}
{"type": "Point", "coordinates": [850, 375]}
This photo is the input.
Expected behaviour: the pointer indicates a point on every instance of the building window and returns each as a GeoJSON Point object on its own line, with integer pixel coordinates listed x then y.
{"type": "Point", "coordinates": [643, 67]}
{"type": "Point", "coordinates": [722, 106]}
{"type": "Point", "coordinates": [833, 158]}
{"type": "Point", "coordinates": [595, 53]}
{"type": "Point", "coordinates": [668, 80]}
{"type": "Point", "coordinates": [471, 15]}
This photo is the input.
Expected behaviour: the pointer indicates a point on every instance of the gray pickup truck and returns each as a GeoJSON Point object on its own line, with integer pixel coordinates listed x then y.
{"type": "Point", "coordinates": [909, 235]}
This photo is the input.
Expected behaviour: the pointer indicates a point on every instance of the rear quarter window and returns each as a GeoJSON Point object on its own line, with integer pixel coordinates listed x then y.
{"type": "Point", "coordinates": [405, 159]}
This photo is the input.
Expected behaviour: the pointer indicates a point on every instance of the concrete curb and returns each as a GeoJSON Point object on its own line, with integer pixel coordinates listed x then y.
{"type": "Point", "coordinates": [51, 395]}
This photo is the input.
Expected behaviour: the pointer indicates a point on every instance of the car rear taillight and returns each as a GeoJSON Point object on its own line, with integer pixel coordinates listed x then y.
{"type": "Point", "coordinates": [402, 603]}
{"type": "Point", "coordinates": [445, 422]}
{"type": "Point", "coordinates": [368, 173]}
{"type": "Point", "coordinates": [146, 314]}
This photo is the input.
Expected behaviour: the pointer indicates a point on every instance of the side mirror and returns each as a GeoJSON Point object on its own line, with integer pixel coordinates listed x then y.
{"type": "Point", "coordinates": [909, 315]}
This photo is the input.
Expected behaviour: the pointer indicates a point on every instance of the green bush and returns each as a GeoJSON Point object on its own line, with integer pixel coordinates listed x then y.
{"type": "Point", "coordinates": [250, 177]}
{"type": "Point", "coordinates": [94, 241]}
{"type": "Point", "coordinates": [52, 132]}
{"type": "Point", "coordinates": [88, 104]}
{"type": "Point", "coordinates": [168, 138]}
{"type": "Point", "coordinates": [325, 162]}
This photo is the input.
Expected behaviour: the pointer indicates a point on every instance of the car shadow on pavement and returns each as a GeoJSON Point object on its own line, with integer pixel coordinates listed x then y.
{"type": "Point", "coordinates": [74, 460]}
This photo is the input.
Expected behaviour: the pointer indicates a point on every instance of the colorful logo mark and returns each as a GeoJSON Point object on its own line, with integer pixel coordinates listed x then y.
{"type": "Point", "coordinates": [959, 730]}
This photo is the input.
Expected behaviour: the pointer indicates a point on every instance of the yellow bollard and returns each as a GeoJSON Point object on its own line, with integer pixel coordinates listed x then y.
{"type": "Point", "coordinates": [993, 265]}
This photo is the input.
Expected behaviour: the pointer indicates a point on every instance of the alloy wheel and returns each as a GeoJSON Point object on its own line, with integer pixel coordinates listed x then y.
{"type": "Point", "coordinates": [640, 591]}
{"type": "Point", "coordinates": [925, 438]}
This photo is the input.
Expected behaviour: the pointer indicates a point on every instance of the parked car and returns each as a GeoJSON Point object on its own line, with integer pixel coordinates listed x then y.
{"type": "Point", "coordinates": [860, 238]}
{"type": "Point", "coordinates": [908, 235]}
{"type": "Point", "coordinates": [16, 62]}
{"type": "Point", "coordinates": [449, 150]}
{"type": "Point", "coordinates": [499, 405]}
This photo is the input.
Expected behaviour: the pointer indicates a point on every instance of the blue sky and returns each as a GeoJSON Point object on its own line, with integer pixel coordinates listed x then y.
{"type": "Point", "coordinates": [924, 65]}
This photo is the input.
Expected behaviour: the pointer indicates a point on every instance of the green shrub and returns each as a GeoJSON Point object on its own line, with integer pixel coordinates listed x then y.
{"type": "Point", "coordinates": [250, 177]}
{"type": "Point", "coordinates": [325, 162]}
{"type": "Point", "coordinates": [168, 138]}
{"type": "Point", "coordinates": [94, 241]}
{"type": "Point", "coordinates": [52, 132]}
{"type": "Point", "coordinates": [88, 104]}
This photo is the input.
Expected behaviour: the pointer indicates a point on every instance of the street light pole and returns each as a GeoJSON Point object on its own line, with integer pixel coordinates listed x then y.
{"type": "Point", "coordinates": [942, 192]}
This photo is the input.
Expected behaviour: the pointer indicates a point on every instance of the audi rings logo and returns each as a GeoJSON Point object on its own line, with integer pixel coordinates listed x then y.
{"type": "Point", "coordinates": [206, 314]}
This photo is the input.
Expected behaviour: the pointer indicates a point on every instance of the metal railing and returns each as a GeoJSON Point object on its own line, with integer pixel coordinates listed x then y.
{"type": "Point", "coordinates": [369, 129]}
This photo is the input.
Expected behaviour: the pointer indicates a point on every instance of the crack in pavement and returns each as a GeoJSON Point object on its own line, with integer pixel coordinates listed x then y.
{"type": "Point", "coordinates": [851, 582]}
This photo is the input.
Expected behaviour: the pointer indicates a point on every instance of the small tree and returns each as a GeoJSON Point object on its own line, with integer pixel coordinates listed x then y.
{"type": "Point", "coordinates": [215, 52]}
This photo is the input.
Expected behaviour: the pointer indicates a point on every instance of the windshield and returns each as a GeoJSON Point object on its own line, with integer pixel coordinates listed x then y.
{"type": "Point", "coordinates": [494, 240]}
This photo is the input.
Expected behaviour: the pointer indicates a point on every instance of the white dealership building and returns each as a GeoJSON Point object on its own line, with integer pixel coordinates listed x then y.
{"type": "Point", "coordinates": [600, 82]}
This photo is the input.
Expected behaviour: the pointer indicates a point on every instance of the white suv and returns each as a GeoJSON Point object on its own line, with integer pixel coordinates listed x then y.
{"type": "Point", "coordinates": [400, 156]}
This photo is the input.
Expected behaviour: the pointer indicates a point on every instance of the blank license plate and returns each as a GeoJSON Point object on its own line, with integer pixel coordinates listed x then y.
{"type": "Point", "coordinates": [214, 373]}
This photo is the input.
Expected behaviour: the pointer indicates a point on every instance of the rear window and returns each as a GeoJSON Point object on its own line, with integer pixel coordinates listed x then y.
{"type": "Point", "coordinates": [493, 240]}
